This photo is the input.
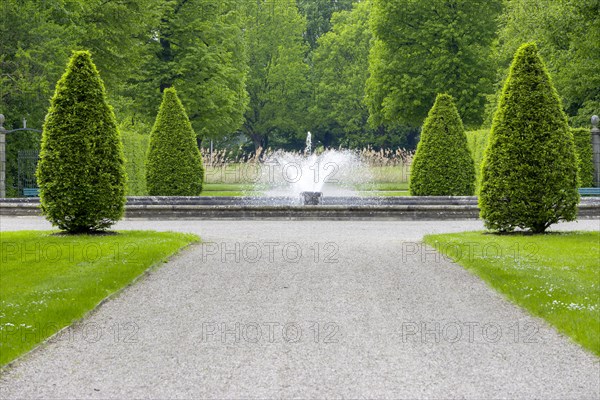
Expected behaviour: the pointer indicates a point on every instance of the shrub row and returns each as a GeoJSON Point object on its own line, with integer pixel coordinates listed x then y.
{"type": "Point", "coordinates": [478, 141]}
{"type": "Point", "coordinates": [82, 170]}
{"type": "Point", "coordinates": [532, 162]}
{"type": "Point", "coordinates": [135, 147]}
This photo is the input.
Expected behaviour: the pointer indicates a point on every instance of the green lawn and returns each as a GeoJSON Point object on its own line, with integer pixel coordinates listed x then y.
{"type": "Point", "coordinates": [243, 189]}
{"type": "Point", "coordinates": [48, 281]}
{"type": "Point", "coordinates": [229, 189]}
{"type": "Point", "coordinates": [555, 276]}
{"type": "Point", "coordinates": [383, 186]}
{"type": "Point", "coordinates": [387, 193]}
{"type": "Point", "coordinates": [226, 187]}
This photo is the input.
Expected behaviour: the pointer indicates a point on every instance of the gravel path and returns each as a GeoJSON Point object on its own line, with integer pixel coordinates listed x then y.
{"type": "Point", "coordinates": [302, 310]}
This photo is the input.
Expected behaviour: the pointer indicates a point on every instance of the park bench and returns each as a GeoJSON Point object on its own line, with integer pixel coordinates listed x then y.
{"type": "Point", "coordinates": [31, 192]}
{"type": "Point", "coordinates": [589, 191]}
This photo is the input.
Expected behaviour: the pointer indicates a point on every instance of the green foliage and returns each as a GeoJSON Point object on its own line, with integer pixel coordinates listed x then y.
{"type": "Point", "coordinates": [585, 156]}
{"type": "Point", "coordinates": [199, 49]}
{"type": "Point", "coordinates": [33, 51]}
{"type": "Point", "coordinates": [135, 148]}
{"type": "Point", "coordinates": [427, 47]}
{"type": "Point", "coordinates": [174, 162]}
{"type": "Point", "coordinates": [339, 116]}
{"type": "Point", "coordinates": [16, 142]}
{"type": "Point", "coordinates": [529, 173]}
{"type": "Point", "coordinates": [340, 71]}
{"type": "Point", "coordinates": [568, 35]}
{"type": "Point", "coordinates": [478, 142]}
{"type": "Point", "coordinates": [318, 15]}
{"type": "Point", "coordinates": [37, 37]}
{"type": "Point", "coordinates": [81, 172]}
{"type": "Point", "coordinates": [443, 165]}
{"type": "Point", "coordinates": [277, 84]}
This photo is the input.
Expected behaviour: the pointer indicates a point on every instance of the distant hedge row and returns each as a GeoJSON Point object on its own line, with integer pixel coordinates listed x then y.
{"type": "Point", "coordinates": [583, 146]}
{"type": "Point", "coordinates": [135, 147]}
{"type": "Point", "coordinates": [478, 141]}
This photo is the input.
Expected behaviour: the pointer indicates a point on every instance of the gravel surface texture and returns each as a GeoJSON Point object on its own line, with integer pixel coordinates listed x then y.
{"type": "Point", "coordinates": [306, 309]}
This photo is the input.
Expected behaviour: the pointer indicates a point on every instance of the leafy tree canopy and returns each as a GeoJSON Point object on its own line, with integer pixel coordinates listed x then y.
{"type": "Point", "coordinates": [427, 47]}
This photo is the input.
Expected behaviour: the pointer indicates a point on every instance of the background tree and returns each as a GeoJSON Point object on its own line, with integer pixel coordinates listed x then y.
{"type": "Point", "coordinates": [443, 165]}
{"type": "Point", "coordinates": [529, 173]}
{"type": "Point", "coordinates": [278, 81]}
{"type": "Point", "coordinates": [318, 15]}
{"type": "Point", "coordinates": [174, 162]}
{"type": "Point", "coordinates": [427, 47]}
{"type": "Point", "coordinates": [39, 36]}
{"type": "Point", "coordinates": [340, 70]}
{"type": "Point", "coordinates": [568, 35]}
{"type": "Point", "coordinates": [198, 46]}
{"type": "Point", "coordinates": [81, 172]}
{"type": "Point", "coordinates": [33, 52]}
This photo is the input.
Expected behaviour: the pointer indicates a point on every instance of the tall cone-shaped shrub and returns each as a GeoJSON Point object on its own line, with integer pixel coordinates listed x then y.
{"type": "Point", "coordinates": [443, 165]}
{"type": "Point", "coordinates": [529, 172]}
{"type": "Point", "coordinates": [174, 162]}
{"type": "Point", "coordinates": [81, 173]}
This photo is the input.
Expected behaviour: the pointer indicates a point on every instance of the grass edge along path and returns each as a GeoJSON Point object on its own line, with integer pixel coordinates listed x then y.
{"type": "Point", "coordinates": [49, 281]}
{"type": "Point", "coordinates": [553, 276]}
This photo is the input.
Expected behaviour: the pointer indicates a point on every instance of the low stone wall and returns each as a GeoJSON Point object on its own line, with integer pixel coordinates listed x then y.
{"type": "Point", "coordinates": [277, 201]}
{"type": "Point", "coordinates": [398, 208]}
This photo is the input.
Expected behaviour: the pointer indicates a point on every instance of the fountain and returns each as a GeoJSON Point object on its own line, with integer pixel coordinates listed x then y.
{"type": "Point", "coordinates": [308, 176]}
{"type": "Point", "coordinates": [310, 198]}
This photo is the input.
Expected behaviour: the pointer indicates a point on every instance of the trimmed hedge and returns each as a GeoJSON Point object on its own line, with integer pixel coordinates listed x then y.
{"type": "Point", "coordinates": [135, 148]}
{"type": "Point", "coordinates": [81, 173]}
{"type": "Point", "coordinates": [174, 165]}
{"type": "Point", "coordinates": [585, 156]}
{"type": "Point", "coordinates": [529, 173]}
{"type": "Point", "coordinates": [478, 142]}
{"type": "Point", "coordinates": [442, 165]}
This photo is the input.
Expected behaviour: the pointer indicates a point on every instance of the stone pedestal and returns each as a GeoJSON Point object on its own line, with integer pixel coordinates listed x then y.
{"type": "Point", "coordinates": [311, 198]}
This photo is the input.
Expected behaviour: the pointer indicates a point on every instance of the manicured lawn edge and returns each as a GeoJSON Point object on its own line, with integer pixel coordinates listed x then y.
{"type": "Point", "coordinates": [553, 276]}
{"type": "Point", "coordinates": [186, 240]}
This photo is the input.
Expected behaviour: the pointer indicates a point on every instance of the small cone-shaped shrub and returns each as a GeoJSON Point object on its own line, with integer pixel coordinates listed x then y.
{"type": "Point", "coordinates": [443, 165]}
{"type": "Point", "coordinates": [174, 162]}
{"type": "Point", "coordinates": [81, 172]}
{"type": "Point", "coordinates": [529, 172]}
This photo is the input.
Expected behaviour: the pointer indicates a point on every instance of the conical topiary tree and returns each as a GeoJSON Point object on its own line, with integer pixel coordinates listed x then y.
{"type": "Point", "coordinates": [174, 162]}
{"type": "Point", "coordinates": [443, 165]}
{"type": "Point", "coordinates": [529, 172]}
{"type": "Point", "coordinates": [81, 173]}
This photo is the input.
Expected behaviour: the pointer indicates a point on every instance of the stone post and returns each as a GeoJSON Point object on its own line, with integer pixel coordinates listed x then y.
{"type": "Point", "coordinates": [596, 149]}
{"type": "Point", "coordinates": [2, 158]}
